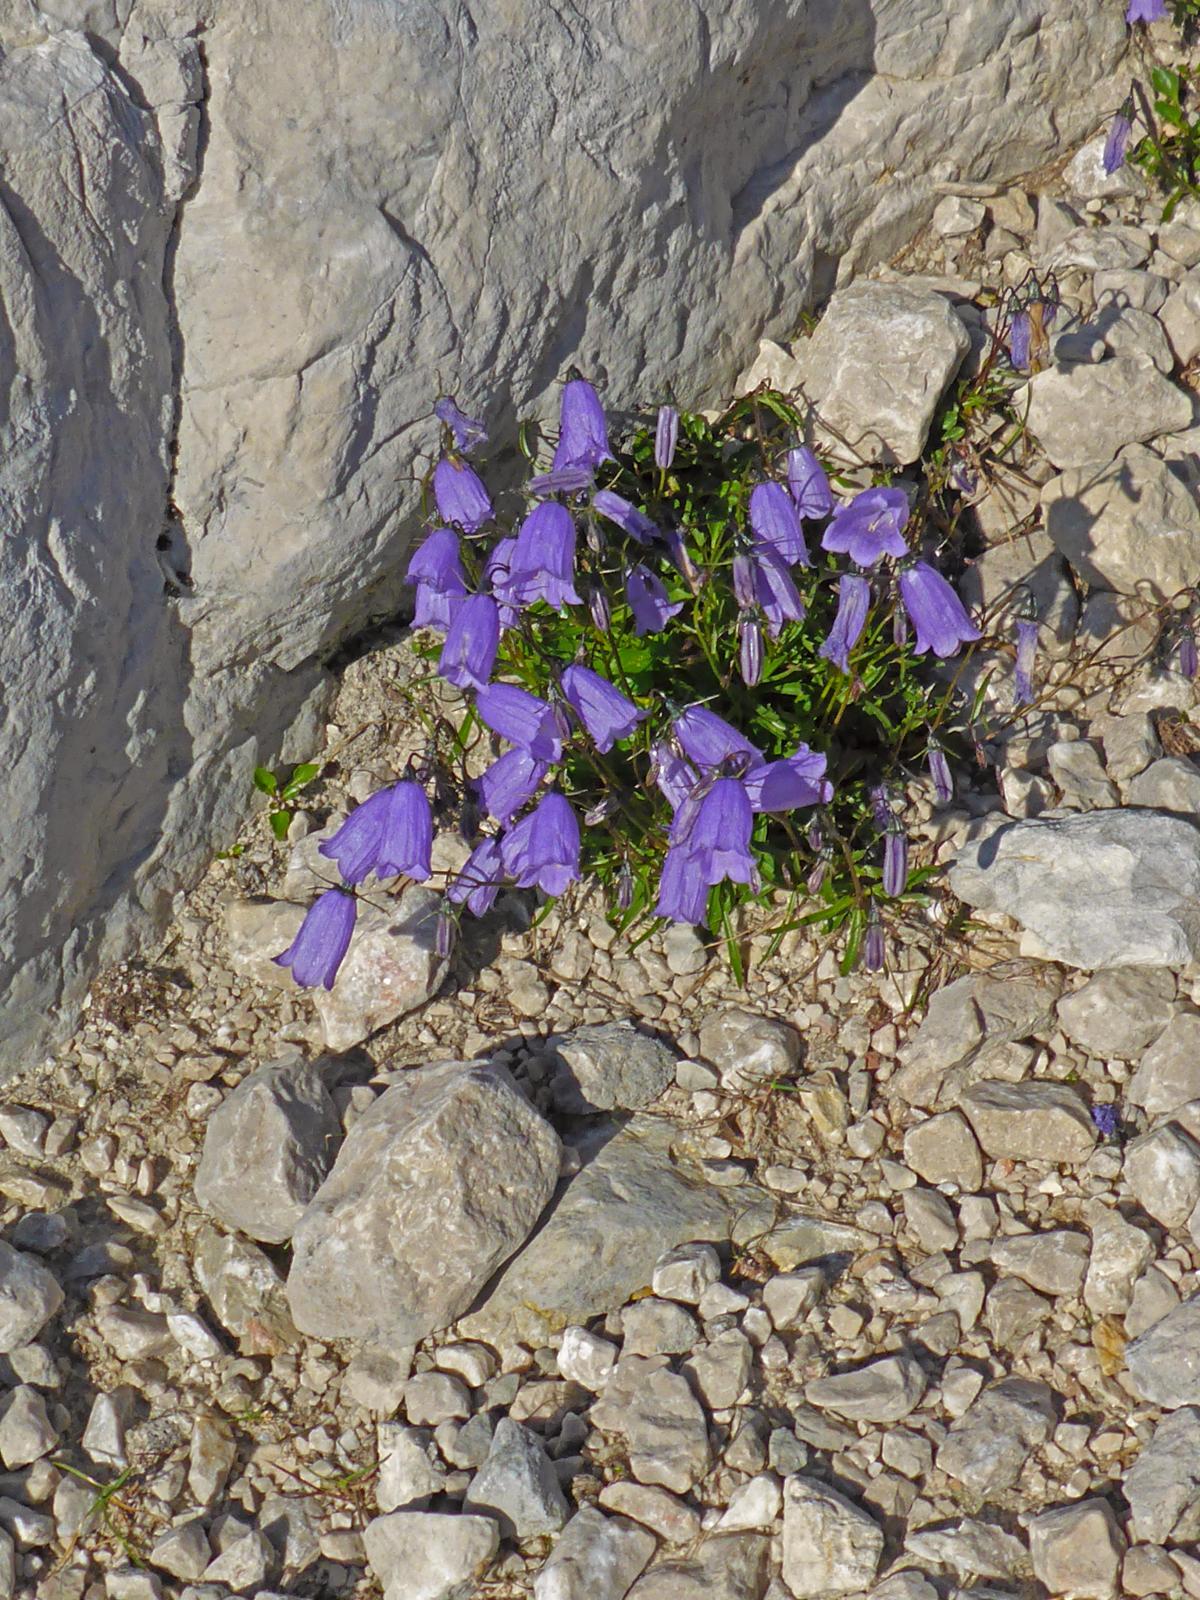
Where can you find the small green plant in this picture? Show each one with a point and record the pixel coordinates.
(283, 793)
(1169, 154)
(115, 1514)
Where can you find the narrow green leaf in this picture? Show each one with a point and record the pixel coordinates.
(281, 821)
(265, 780)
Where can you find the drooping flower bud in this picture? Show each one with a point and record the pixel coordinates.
(625, 887)
(1188, 663)
(895, 858)
(601, 611)
(665, 436)
(939, 772)
(874, 945)
(750, 651)
(444, 933)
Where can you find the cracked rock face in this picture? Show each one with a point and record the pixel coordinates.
(213, 484)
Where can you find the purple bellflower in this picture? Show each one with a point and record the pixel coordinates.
(895, 858)
(874, 945)
(1146, 11)
(648, 601)
(854, 598)
(599, 608)
(1018, 341)
(466, 430)
(542, 849)
(776, 523)
(750, 650)
(869, 527)
(1189, 661)
(496, 571)
(604, 711)
(530, 723)
(479, 881)
(715, 846)
(1107, 1120)
(792, 781)
(682, 557)
(809, 485)
(436, 569)
(761, 578)
(472, 640)
(319, 949)
(583, 432)
(389, 834)
(1117, 142)
(666, 435)
(682, 892)
(708, 739)
(542, 562)
(935, 611)
(939, 772)
(674, 775)
(627, 517)
(1027, 642)
(460, 495)
(511, 780)
(562, 480)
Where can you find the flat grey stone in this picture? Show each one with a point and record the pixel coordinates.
(1084, 414)
(720, 1369)
(606, 1066)
(1164, 1362)
(830, 1546)
(245, 1291)
(1119, 1012)
(884, 1390)
(597, 1558)
(1076, 1550)
(1030, 1121)
(1120, 1254)
(1163, 1484)
(726, 1566)
(1172, 784)
(969, 1548)
(749, 1050)
(427, 1555)
(652, 1327)
(1053, 1261)
(942, 1149)
(409, 1469)
(1104, 889)
(29, 1297)
(987, 1447)
(659, 1420)
(1162, 1169)
(1168, 1074)
(517, 1485)
(26, 1432)
(435, 1186)
(268, 1148)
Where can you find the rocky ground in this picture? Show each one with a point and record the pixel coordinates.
(883, 1284)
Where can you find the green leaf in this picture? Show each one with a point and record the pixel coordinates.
(301, 775)
(265, 781)
(281, 821)
(1166, 82)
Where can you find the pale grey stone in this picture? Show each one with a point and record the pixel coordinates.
(1014, 1310)
(597, 1558)
(1030, 1121)
(1132, 328)
(426, 1555)
(585, 1358)
(245, 1291)
(26, 1432)
(1171, 784)
(726, 1566)
(790, 1296)
(1164, 1482)
(878, 364)
(267, 1149)
(376, 1378)
(1054, 1261)
(1130, 743)
(1131, 525)
(1118, 1012)
(721, 1369)
(1085, 414)
(942, 1149)
(929, 1217)
(132, 1332)
(211, 1455)
(802, 1240)
(435, 1186)
(634, 1197)
(755, 1504)
(906, 1585)
(292, 1522)
(830, 1546)
(1120, 1254)
(955, 216)
(24, 1129)
(987, 1447)
(1180, 317)
(605, 1067)
(685, 1272)
(433, 1397)
(1111, 247)
(517, 1485)
(1168, 1075)
(392, 968)
(1076, 768)
(409, 1471)
(1148, 1569)
(969, 1548)
(1105, 889)
(662, 1425)
(1164, 1362)
(653, 1327)
(885, 1390)
(1086, 178)
(1153, 1296)
(104, 1435)
(1121, 287)
(1162, 1169)
(245, 1566)
(749, 1050)
(132, 1583)
(1076, 1550)
(663, 1513)
(29, 1297)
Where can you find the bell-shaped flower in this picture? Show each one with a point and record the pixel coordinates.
(776, 523)
(648, 601)
(869, 527)
(715, 846)
(762, 574)
(1019, 333)
(1027, 642)
(390, 834)
(562, 480)
(436, 569)
(460, 495)
(627, 517)
(582, 430)
(509, 783)
(541, 565)
(605, 712)
(874, 944)
(673, 774)
(497, 571)
(1146, 10)
(789, 783)
(532, 724)
(472, 640)
(935, 611)
(319, 949)
(708, 739)
(542, 849)
(682, 557)
(682, 893)
(939, 772)
(1189, 657)
(666, 435)
(854, 598)
(478, 883)
(895, 858)
(466, 431)
(1116, 144)
(809, 486)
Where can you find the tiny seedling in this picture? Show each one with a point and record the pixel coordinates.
(283, 793)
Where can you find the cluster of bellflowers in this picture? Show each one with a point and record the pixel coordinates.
(474, 583)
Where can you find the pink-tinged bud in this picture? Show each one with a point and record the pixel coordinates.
(600, 811)
(750, 651)
(820, 871)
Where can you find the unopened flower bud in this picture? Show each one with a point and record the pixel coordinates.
(601, 611)
(444, 933)
(665, 436)
(874, 945)
(625, 887)
(750, 651)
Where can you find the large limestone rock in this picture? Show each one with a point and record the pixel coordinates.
(221, 342)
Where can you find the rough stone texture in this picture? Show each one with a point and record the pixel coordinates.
(245, 1292)
(1030, 1121)
(881, 1391)
(1120, 1254)
(391, 969)
(424, 1555)
(260, 330)
(1081, 414)
(267, 1149)
(1168, 1074)
(1130, 524)
(517, 1485)
(987, 1447)
(830, 1546)
(749, 1050)
(1172, 784)
(632, 1200)
(729, 1566)
(970, 1549)
(1118, 1012)
(29, 1297)
(878, 364)
(660, 1421)
(1162, 1169)
(597, 1558)
(1105, 889)
(1076, 1550)
(943, 1149)
(607, 1066)
(1164, 1362)
(1054, 1261)
(436, 1185)
(1164, 1481)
